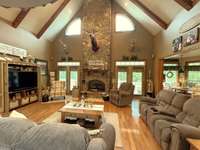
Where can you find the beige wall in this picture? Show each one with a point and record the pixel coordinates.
(120, 43)
(122, 40)
(38, 48)
(163, 41)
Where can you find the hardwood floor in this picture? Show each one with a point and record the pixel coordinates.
(135, 134)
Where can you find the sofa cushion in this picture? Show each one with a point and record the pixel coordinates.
(12, 129)
(165, 96)
(42, 137)
(192, 111)
(179, 100)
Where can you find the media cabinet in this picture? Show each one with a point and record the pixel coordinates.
(12, 99)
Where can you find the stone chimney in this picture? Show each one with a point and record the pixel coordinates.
(97, 20)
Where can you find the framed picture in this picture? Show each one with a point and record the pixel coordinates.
(191, 37)
(43, 66)
(177, 44)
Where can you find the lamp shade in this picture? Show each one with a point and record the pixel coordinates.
(24, 3)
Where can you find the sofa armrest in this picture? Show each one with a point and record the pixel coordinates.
(164, 112)
(97, 144)
(148, 100)
(108, 135)
(187, 131)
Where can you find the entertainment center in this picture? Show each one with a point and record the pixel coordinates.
(19, 78)
(23, 83)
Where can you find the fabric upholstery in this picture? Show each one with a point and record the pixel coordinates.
(12, 129)
(22, 134)
(123, 96)
(42, 137)
(169, 110)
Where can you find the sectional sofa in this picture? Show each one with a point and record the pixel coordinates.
(172, 117)
(23, 134)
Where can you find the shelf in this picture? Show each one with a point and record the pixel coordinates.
(22, 90)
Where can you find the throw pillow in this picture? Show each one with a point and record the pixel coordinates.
(15, 114)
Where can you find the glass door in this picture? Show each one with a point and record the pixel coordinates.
(170, 75)
(73, 79)
(122, 77)
(137, 80)
(62, 75)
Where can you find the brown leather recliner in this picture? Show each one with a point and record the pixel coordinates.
(123, 96)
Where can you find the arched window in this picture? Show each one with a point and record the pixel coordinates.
(123, 23)
(74, 28)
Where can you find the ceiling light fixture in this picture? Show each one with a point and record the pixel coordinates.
(24, 3)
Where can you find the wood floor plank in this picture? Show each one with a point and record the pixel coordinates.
(135, 134)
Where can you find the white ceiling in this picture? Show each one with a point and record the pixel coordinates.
(37, 17)
(159, 7)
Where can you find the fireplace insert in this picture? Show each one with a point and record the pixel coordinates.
(96, 85)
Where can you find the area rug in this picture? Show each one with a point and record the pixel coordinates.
(111, 118)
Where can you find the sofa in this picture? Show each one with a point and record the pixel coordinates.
(23, 134)
(123, 96)
(172, 118)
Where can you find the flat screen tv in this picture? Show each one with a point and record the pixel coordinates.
(19, 80)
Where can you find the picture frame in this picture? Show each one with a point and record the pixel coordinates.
(177, 44)
(191, 37)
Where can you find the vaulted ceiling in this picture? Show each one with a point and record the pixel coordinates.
(48, 21)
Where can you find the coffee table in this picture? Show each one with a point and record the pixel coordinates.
(81, 111)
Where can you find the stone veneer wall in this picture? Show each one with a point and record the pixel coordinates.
(97, 20)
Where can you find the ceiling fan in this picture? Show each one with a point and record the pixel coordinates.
(25, 4)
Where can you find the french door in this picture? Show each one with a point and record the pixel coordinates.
(138, 82)
(122, 77)
(73, 79)
(70, 75)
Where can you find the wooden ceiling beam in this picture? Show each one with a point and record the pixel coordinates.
(151, 14)
(52, 18)
(187, 4)
(20, 17)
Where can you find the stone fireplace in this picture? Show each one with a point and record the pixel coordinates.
(96, 85)
(96, 65)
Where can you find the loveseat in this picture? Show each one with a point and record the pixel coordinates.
(172, 118)
(23, 134)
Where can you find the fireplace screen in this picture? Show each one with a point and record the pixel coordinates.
(96, 85)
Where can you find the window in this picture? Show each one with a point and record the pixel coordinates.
(170, 75)
(122, 77)
(62, 75)
(73, 79)
(74, 28)
(193, 74)
(137, 82)
(123, 23)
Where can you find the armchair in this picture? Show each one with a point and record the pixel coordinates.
(123, 96)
